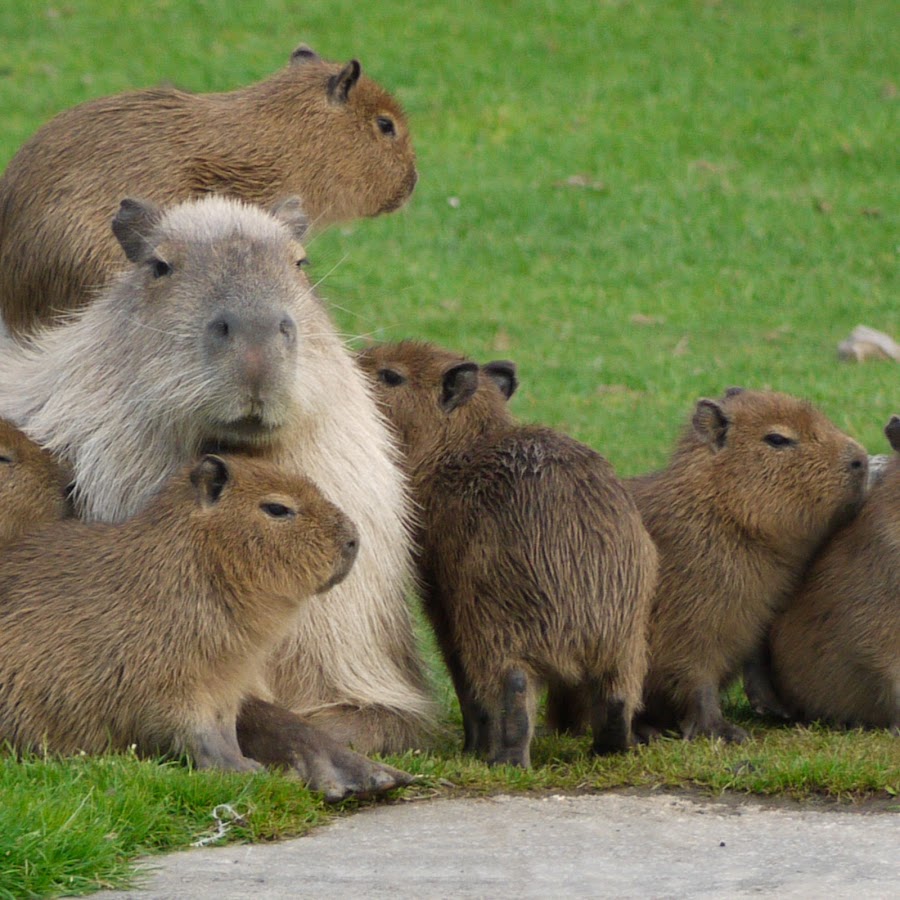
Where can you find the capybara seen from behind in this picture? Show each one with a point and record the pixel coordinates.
(532, 557)
(316, 129)
(33, 485)
(836, 648)
(756, 484)
(150, 632)
(213, 340)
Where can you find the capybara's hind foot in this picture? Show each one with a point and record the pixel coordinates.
(516, 724)
(276, 736)
(610, 725)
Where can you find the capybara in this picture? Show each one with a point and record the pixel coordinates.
(213, 340)
(532, 558)
(758, 481)
(150, 632)
(316, 129)
(836, 648)
(33, 485)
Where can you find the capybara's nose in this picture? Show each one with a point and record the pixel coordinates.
(347, 557)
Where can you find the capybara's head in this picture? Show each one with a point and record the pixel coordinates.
(365, 164)
(221, 304)
(775, 464)
(435, 398)
(267, 529)
(33, 484)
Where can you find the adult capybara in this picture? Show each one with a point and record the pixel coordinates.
(757, 483)
(212, 339)
(316, 129)
(532, 557)
(33, 485)
(150, 632)
(836, 648)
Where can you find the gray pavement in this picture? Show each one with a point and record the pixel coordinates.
(606, 845)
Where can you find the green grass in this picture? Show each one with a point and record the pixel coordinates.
(735, 216)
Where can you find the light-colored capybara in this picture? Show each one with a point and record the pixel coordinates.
(532, 557)
(758, 481)
(213, 340)
(151, 631)
(33, 485)
(836, 648)
(316, 129)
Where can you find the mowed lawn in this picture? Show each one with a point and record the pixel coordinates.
(639, 203)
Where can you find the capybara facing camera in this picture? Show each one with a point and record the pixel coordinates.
(151, 632)
(532, 558)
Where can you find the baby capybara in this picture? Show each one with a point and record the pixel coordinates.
(150, 632)
(33, 485)
(315, 128)
(836, 648)
(758, 481)
(532, 558)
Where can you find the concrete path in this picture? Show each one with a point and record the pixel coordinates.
(608, 845)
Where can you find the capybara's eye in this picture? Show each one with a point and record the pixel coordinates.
(302, 263)
(774, 439)
(386, 125)
(390, 377)
(5, 460)
(276, 510)
(160, 268)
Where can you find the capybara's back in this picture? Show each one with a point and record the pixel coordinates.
(836, 648)
(756, 484)
(150, 632)
(32, 484)
(533, 559)
(316, 129)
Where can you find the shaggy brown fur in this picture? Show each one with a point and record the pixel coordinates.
(758, 481)
(836, 649)
(533, 561)
(152, 631)
(317, 129)
(33, 485)
(212, 339)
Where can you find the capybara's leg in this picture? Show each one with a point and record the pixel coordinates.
(704, 717)
(476, 727)
(759, 685)
(276, 736)
(610, 719)
(516, 726)
(568, 708)
(368, 729)
(214, 745)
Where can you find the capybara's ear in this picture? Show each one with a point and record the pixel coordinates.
(340, 85)
(503, 373)
(733, 391)
(209, 478)
(710, 423)
(892, 431)
(303, 53)
(460, 383)
(289, 210)
(133, 224)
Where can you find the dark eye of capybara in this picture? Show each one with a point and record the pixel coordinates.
(386, 126)
(160, 268)
(276, 510)
(779, 440)
(390, 377)
(6, 460)
(302, 263)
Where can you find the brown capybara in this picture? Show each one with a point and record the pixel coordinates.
(836, 648)
(212, 339)
(316, 129)
(151, 631)
(532, 558)
(33, 485)
(757, 483)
